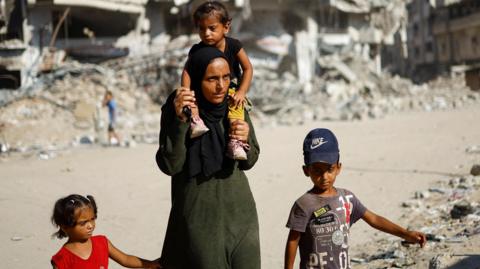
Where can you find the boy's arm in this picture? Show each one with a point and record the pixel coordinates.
(291, 248)
(129, 261)
(247, 75)
(384, 225)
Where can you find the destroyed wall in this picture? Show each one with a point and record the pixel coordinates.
(261, 35)
(90, 22)
(344, 85)
(421, 40)
(12, 43)
(84, 30)
(457, 28)
(457, 31)
(155, 14)
(13, 13)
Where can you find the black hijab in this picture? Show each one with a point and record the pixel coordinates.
(206, 153)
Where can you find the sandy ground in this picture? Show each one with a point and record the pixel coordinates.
(384, 162)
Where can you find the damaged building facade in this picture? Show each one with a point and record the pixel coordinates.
(444, 36)
(332, 60)
(282, 35)
(301, 32)
(421, 41)
(37, 34)
(457, 33)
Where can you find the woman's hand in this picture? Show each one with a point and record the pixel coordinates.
(239, 130)
(183, 97)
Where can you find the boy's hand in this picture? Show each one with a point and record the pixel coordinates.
(238, 99)
(416, 237)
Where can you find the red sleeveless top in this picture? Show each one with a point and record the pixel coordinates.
(65, 259)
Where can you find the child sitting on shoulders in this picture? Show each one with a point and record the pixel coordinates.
(213, 23)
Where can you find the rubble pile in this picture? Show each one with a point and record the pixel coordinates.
(349, 89)
(64, 109)
(449, 214)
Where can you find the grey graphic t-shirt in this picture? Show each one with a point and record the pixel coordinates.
(325, 223)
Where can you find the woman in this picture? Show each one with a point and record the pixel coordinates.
(213, 221)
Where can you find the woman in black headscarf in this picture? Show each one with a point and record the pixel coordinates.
(213, 222)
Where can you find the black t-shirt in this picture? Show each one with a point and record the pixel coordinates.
(232, 47)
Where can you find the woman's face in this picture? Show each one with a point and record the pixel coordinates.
(216, 81)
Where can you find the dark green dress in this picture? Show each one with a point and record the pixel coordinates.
(213, 222)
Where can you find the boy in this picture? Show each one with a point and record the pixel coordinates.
(108, 101)
(320, 219)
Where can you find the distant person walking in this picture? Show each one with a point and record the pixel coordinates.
(108, 101)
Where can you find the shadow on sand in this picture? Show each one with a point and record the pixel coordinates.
(403, 171)
(470, 261)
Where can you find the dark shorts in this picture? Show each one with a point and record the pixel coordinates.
(111, 127)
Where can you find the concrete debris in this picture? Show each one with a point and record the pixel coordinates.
(475, 171)
(46, 155)
(86, 140)
(16, 238)
(473, 149)
(63, 110)
(344, 79)
(451, 225)
(435, 262)
(461, 209)
(346, 87)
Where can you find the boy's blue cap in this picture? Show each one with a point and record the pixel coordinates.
(320, 145)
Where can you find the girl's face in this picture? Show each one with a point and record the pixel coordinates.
(216, 81)
(211, 30)
(84, 225)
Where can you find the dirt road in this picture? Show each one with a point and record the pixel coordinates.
(384, 162)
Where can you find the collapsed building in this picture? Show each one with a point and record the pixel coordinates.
(421, 41)
(444, 38)
(330, 59)
(457, 31)
(302, 32)
(36, 34)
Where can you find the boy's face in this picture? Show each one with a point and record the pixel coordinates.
(211, 30)
(323, 175)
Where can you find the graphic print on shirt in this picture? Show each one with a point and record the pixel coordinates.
(330, 231)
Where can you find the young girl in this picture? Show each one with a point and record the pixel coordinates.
(75, 217)
(213, 23)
